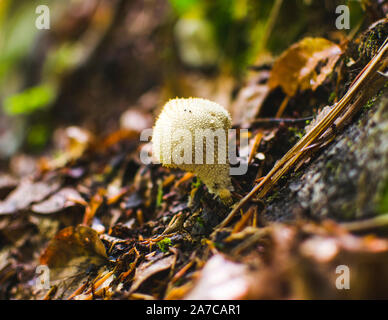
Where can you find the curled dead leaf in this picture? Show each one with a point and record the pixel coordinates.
(64, 198)
(7, 184)
(148, 268)
(296, 68)
(25, 194)
(221, 279)
(250, 100)
(74, 256)
(73, 242)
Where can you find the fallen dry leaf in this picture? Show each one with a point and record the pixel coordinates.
(296, 68)
(250, 99)
(7, 184)
(73, 256)
(64, 198)
(72, 242)
(148, 268)
(221, 279)
(26, 193)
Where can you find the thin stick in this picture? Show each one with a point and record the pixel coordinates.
(258, 138)
(372, 223)
(282, 107)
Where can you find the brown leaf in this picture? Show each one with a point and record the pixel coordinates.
(221, 279)
(116, 137)
(64, 198)
(249, 100)
(93, 206)
(71, 142)
(7, 184)
(296, 68)
(149, 268)
(72, 255)
(70, 243)
(25, 194)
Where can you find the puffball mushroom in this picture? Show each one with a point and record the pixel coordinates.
(179, 133)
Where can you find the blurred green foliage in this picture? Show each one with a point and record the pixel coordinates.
(223, 35)
(29, 100)
(37, 136)
(17, 35)
(21, 95)
(236, 27)
(245, 29)
(182, 6)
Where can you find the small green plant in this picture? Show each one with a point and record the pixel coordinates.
(196, 183)
(200, 221)
(332, 97)
(296, 132)
(164, 244)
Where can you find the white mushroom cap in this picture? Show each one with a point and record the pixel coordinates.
(180, 123)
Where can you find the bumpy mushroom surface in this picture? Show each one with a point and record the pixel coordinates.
(178, 133)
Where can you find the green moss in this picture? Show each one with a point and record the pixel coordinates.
(178, 282)
(334, 169)
(347, 211)
(273, 197)
(297, 174)
(370, 103)
(196, 183)
(296, 132)
(330, 166)
(164, 244)
(332, 97)
(200, 221)
(372, 40)
(219, 245)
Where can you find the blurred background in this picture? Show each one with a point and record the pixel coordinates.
(110, 64)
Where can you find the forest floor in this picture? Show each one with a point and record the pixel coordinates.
(94, 222)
